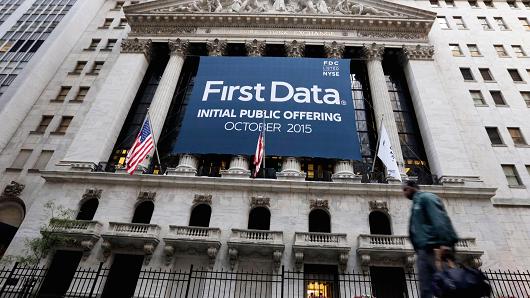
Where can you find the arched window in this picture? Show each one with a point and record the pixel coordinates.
(11, 216)
(88, 209)
(143, 212)
(259, 218)
(319, 221)
(379, 223)
(200, 216)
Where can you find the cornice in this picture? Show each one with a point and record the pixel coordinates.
(369, 190)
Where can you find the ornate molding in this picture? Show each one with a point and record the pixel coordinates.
(147, 196)
(319, 204)
(260, 202)
(418, 52)
(393, 35)
(178, 47)
(233, 255)
(202, 199)
(137, 46)
(334, 50)
(373, 51)
(255, 48)
(92, 193)
(12, 191)
(155, 29)
(295, 48)
(378, 206)
(216, 47)
(298, 260)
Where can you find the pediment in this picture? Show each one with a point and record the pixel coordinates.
(344, 8)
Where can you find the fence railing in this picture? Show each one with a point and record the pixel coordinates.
(19, 281)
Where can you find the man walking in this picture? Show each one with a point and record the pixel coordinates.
(430, 231)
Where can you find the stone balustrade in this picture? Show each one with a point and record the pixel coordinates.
(133, 229)
(199, 238)
(131, 236)
(266, 243)
(272, 237)
(320, 239)
(187, 232)
(384, 242)
(81, 234)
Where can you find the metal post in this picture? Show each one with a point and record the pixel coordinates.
(189, 282)
(283, 278)
(95, 280)
(9, 278)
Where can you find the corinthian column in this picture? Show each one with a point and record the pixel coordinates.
(255, 48)
(381, 98)
(216, 47)
(96, 137)
(165, 90)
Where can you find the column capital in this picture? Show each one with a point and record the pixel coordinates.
(178, 47)
(418, 52)
(137, 46)
(216, 47)
(373, 51)
(255, 48)
(334, 49)
(295, 48)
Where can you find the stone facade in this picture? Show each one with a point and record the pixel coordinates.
(474, 189)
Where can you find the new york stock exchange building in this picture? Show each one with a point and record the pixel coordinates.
(323, 85)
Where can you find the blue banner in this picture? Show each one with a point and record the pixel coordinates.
(304, 104)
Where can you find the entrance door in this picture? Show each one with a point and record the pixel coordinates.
(123, 276)
(321, 281)
(388, 282)
(60, 273)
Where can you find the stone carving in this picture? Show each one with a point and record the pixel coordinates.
(233, 255)
(277, 259)
(334, 49)
(391, 35)
(418, 52)
(212, 255)
(12, 191)
(298, 260)
(378, 206)
(216, 47)
(255, 48)
(343, 261)
(341, 7)
(137, 46)
(202, 199)
(161, 29)
(295, 48)
(373, 51)
(260, 202)
(319, 204)
(92, 193)
(365, 262)
(147, 196)
(178, 47)
(169, 251)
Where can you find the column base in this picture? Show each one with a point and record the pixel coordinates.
(471, 181)
(346, 178)
(83, 166)
(181, 171)
(235, 173)
(291, 175)
(123, 170)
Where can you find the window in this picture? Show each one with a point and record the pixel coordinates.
(526, 97)
(517, 136)
(143, 212)
(459, 23)
(319, 221)
(110, 44)
(259, 218)
(81, 94)
(478, 99)
(484, 23)
(519, 52)
(473, 50)
(96, 68)
(88, 209)
(93, 45)
(42, 161)
(106, 23)
(525, 23)
(379, 223)
(450, 3)
(79, 67)
(119, 5)
(44, 122)
(200, 216)
(122, 23)
(455, 50)
(489, 3)
(501, 51)
(21, 159)
(494, 135)
(63, 93)
(516, 77)
(511, 3)
(486, 74)
(434, 3)
(442, 21)
(497, 97)
(511, 175)
(473, 3)
(500, 22)
(63, 125)
(467, 74)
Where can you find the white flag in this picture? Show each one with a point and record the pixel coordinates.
(386, 155)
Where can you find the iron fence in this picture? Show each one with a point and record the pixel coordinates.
(20, 281)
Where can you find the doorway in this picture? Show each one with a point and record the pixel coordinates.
(60, 273)
(123, 276)
(388, 282)
(321, 281)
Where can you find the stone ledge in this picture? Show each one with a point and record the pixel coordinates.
(264, 185)
(507, 202)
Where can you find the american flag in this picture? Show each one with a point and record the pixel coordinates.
(258, 157)
(141, 147)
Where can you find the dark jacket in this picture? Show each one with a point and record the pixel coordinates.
(429, 225)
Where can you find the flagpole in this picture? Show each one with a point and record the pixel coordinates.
(378, 140)
(263, 143)
(154, 140)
